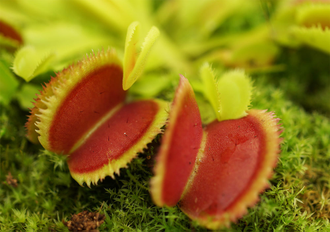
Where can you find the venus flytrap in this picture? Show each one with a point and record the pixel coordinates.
(9, 36)
(29, 63)
(214, 173)
(82, 113)
(313, 26)
(12, 24)
(254, 51)
(303, 22)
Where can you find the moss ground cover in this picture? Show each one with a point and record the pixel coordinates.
(46, 194)
(37, 192)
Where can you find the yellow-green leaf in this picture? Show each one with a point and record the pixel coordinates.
(8, 84)
(151, 85)
(8, 42)
(315, 37)
(28, 62)
(130, 55)
(314, 15)
(235, 89)
(133, 63)
(26, 95)
(210, 88)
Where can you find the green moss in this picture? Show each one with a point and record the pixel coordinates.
(46, 194)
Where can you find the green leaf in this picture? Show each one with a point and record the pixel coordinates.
(8, 42)
(259, 54)
(133, 64)
(132, 38)
(313, 15)
(235, 90)
(282, 20)
(26, 95)
(211, 88)
(69, 42)
(114, 14)
(8, 84)
(150, 85)
(315, 37)
(197, 85)
(28, 62)
(313, 25)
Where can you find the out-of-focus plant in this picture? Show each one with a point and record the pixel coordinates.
(55, 34)
(299, 22)
(48, 37)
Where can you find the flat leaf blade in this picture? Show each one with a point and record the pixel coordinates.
(134, 68)
(211, 88)
(8, 84)
(235, 89)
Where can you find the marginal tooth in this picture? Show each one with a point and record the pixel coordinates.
(112, 175)
(102, 177)
(88, 182)
(80, 181)
(94, 181)
(277, 120)
(49, 99)
(111, 171)
(42, 112)
(267, 185)
(54, 89)
(45, 101)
